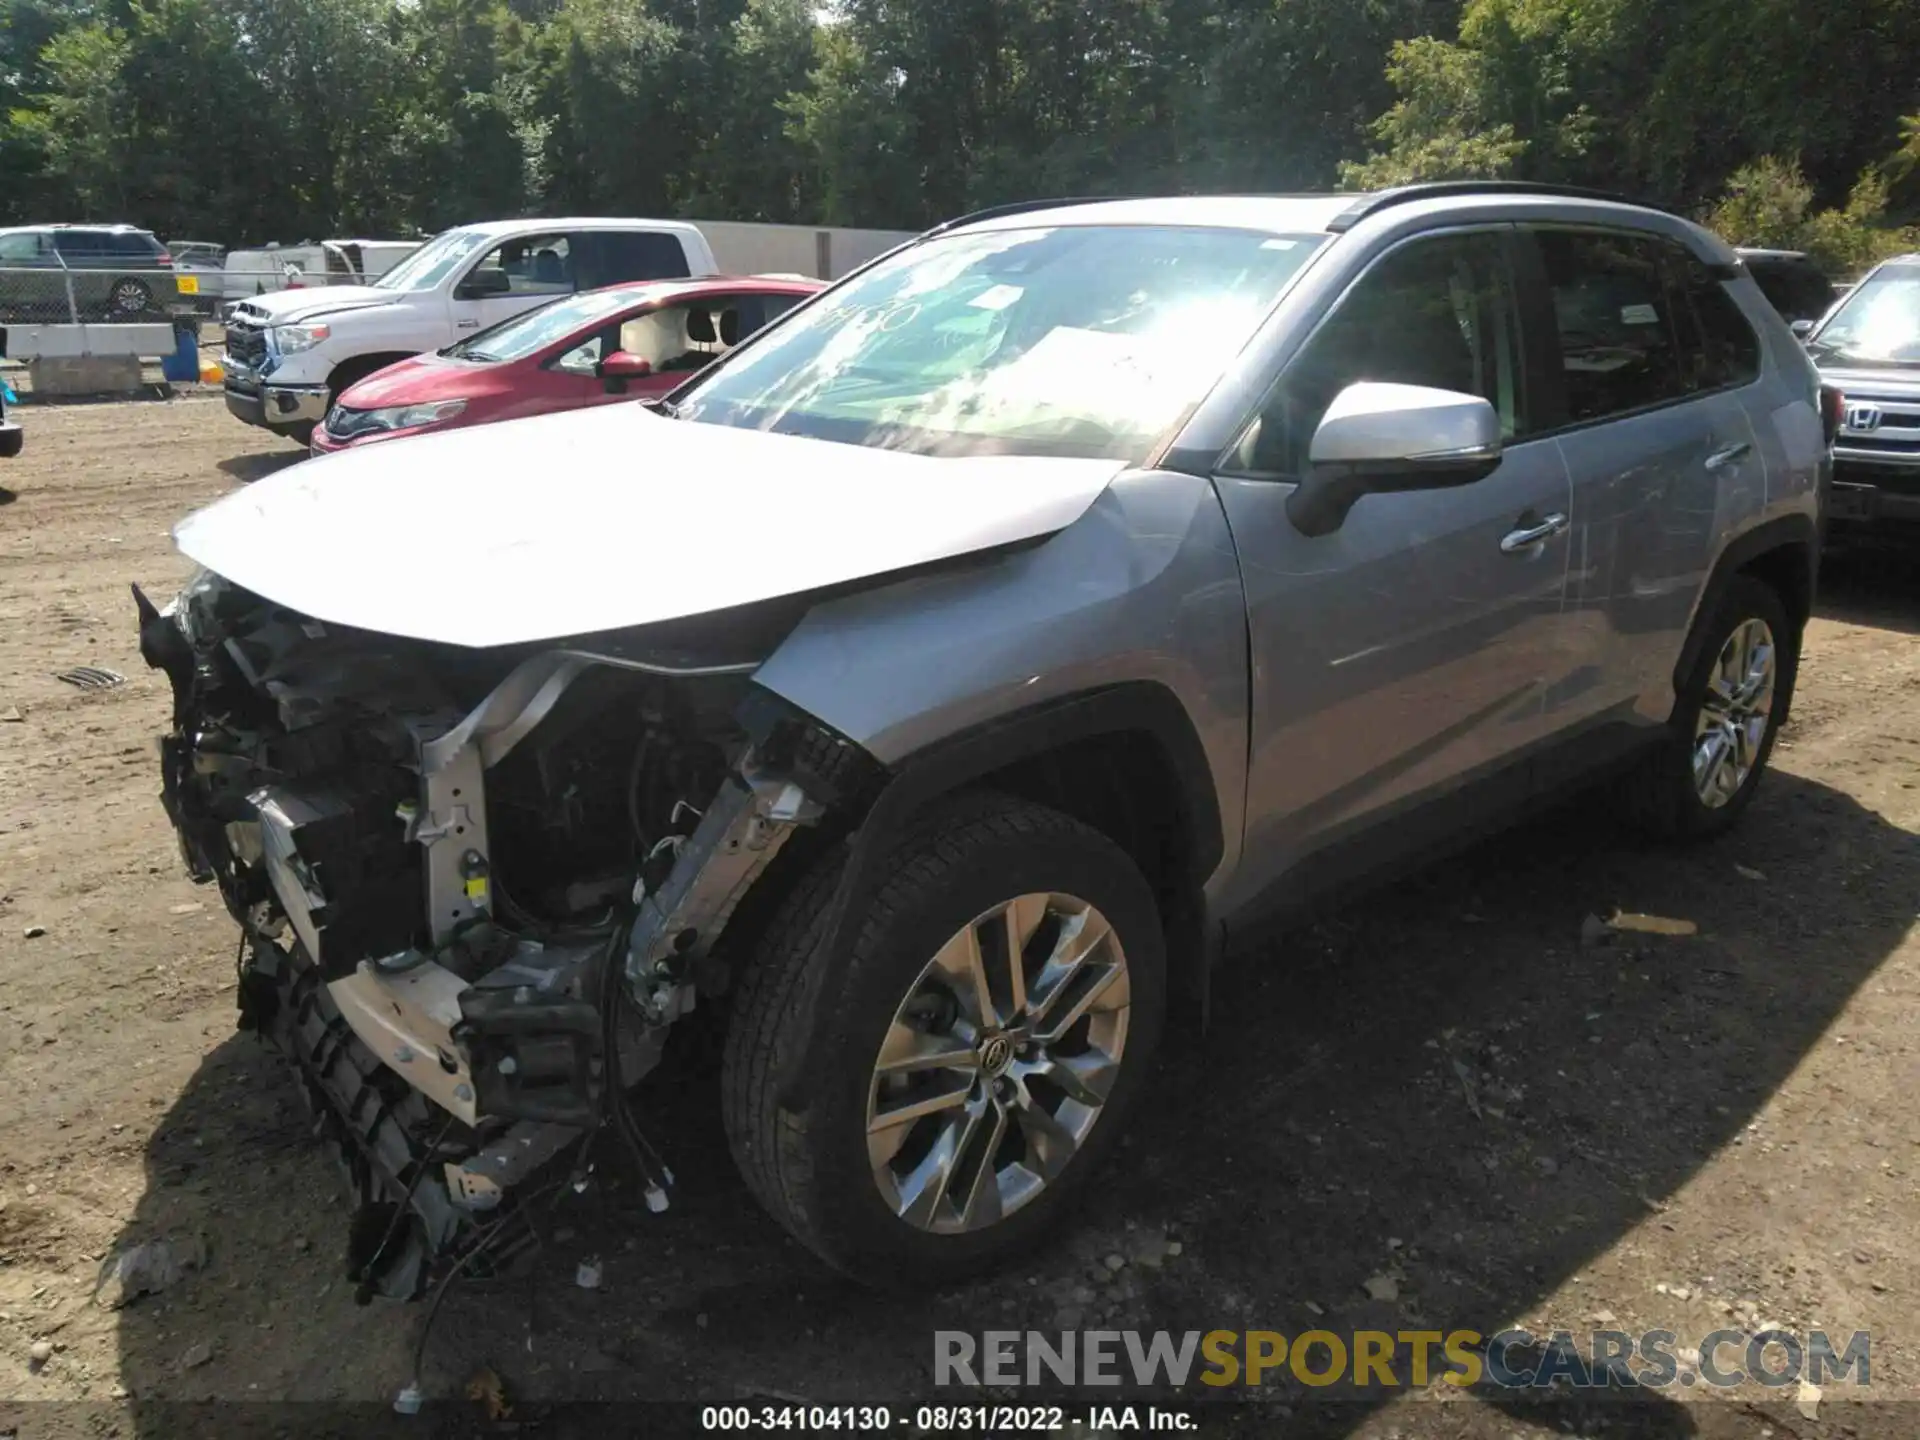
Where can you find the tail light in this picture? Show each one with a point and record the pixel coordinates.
(1833, 407)
(163, 258)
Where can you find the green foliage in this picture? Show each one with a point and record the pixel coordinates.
(248, 120)
(1440, 128)
(1771, 204)
(77, 128)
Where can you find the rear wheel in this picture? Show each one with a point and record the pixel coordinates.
(998, 1012)
(1706, 770)
(129, 298)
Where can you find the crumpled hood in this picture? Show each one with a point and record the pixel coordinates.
(566, 525)
(289, 307)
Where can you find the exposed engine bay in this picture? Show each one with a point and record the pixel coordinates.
(476, 887)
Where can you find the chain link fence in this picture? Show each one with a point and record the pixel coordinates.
(91, 300)
(54, 293)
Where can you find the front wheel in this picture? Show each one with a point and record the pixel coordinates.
(1728, 714)
(999, 1010)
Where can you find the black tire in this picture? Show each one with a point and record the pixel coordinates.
(128, 298)
(811, 1170)
(1661, 796)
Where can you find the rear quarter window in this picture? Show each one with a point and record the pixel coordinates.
(1718, 348)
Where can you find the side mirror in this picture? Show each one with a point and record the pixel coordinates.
(484, 283)
(620, 367)
(1802, 329)
(1378, 438)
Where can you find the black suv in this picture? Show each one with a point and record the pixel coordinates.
(116, 272)
(1792, 283)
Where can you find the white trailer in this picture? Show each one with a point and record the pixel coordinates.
(817, 252)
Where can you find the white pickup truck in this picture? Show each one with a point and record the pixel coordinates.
(289, 354)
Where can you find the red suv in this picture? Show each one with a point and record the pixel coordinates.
(623, 342)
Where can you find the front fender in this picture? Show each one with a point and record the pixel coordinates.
(1143, 589)
(1130, 620)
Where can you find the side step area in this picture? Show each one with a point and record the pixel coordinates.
(397, 1151)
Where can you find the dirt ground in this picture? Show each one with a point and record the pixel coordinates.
(1442, 1088)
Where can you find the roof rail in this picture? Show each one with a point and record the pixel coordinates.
(1368, 205)
(1017, 207)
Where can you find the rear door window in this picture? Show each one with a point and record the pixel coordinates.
(607, 257)
(1614, 317)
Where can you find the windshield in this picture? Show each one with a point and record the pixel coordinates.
(433, 261)
(533, 331)
(1081, 341)
(1878, 321)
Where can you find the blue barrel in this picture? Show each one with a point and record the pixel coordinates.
(183, 366)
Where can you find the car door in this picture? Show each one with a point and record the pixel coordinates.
(1410, 650)
(571, 380)
(510, 278)
(84, 255)
(1659, 450)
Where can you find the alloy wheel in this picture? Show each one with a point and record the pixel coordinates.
(997, 1064)
(1734, 713)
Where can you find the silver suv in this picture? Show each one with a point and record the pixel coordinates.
(939, 684)
(1868, 348)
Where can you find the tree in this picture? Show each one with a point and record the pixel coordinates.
(1440, 128)
(77, 122)
(1770, 204)
(858, 139)
(249, 120)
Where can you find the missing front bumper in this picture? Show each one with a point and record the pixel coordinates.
(426, 1187)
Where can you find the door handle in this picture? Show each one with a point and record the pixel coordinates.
(1517, 542)
(1727, 454)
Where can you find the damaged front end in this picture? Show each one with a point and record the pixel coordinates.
(477, 887)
